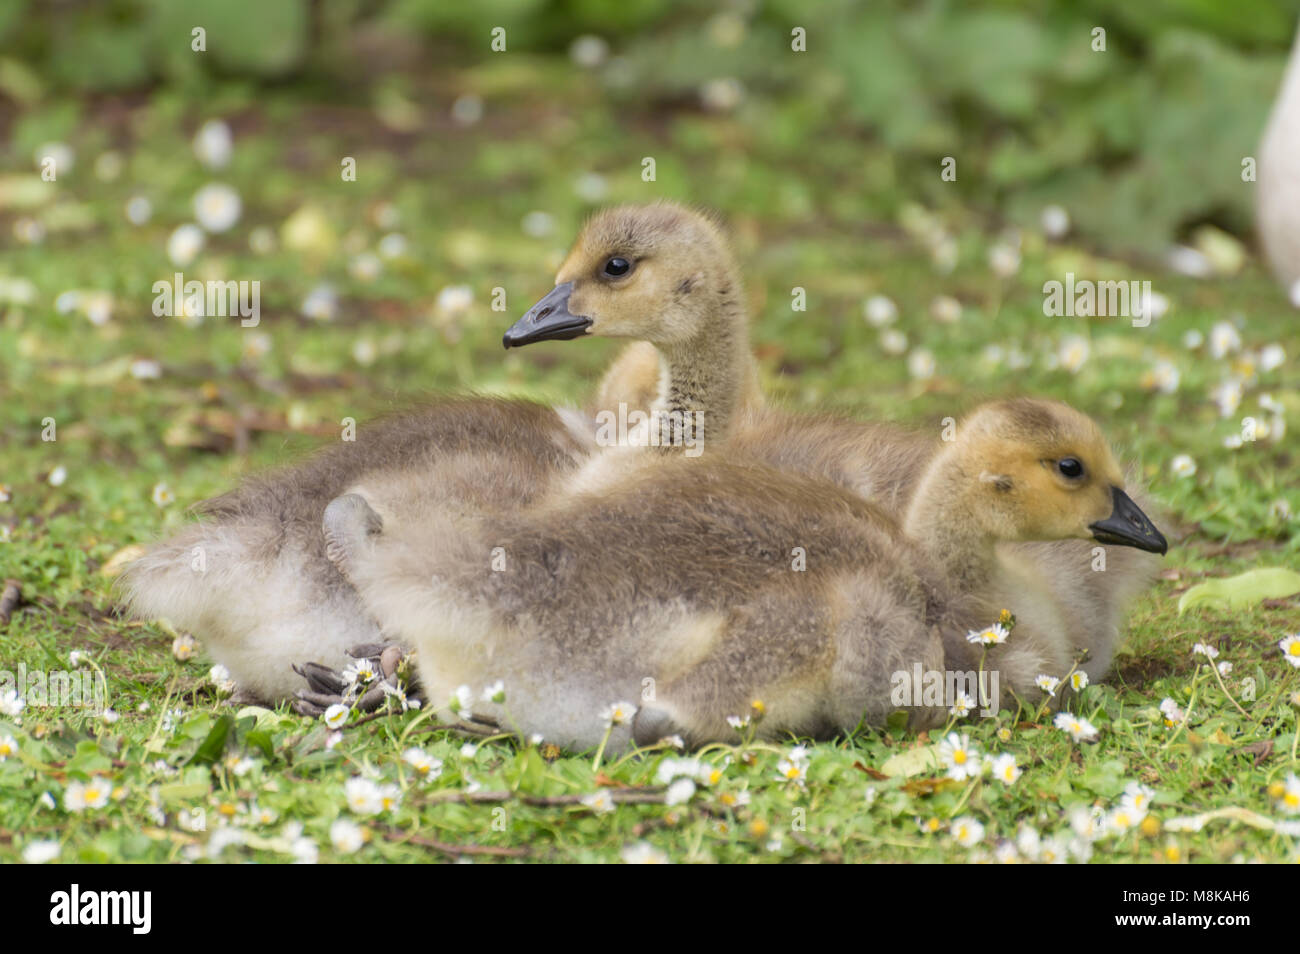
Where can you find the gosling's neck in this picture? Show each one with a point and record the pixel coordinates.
(704, 381)
(941, 519)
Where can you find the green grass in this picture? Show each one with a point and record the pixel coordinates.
(227, 404)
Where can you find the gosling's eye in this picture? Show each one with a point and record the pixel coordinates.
(1070, 467)
(617, 267)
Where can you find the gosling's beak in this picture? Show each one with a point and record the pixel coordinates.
(1128, 526)
(549, 319)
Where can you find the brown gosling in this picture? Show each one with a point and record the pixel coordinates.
(698, 587)
(253, 581)
(879, 462)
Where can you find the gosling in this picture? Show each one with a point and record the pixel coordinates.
(697, 587)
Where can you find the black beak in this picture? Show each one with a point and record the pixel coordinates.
(549, 319)
(1128, 526)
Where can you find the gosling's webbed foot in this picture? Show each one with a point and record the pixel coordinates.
(379, 673)
(322, 679)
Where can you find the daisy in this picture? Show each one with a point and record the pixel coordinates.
(1121, 820)
(454, 300)
(138, 210)
(40, 852)
(1271, 357)
(390, 797)
(1079, 680)
(921, 364)
(1055, 221)
(363, 796)
(1183, 466)
(1004, 260)
(1173, 715)
(185, 243)
(345, 836)
(162, 495)
(1224, 668)
(712, 774)
(893, 341)
(59, 154)
(1137, 798)
(321, 304)
(1005, 769)
(468, 750)
(879, 310)
(80, 796)
(946, 310)
(184, 647)
(791, 771)
(336, 716)
(461, 701)
(962, 706)
(1289, 800)
(679, 792)
(618, 713)
(213, 144)
(495, 692)
(670, 769)
(1054, 851)
(1029, 842)
(263, 816)
(737, 723)
(424, 765)
(393, 245)
(1163, 377)
(1209, 652)
(643, 853)
(1073, 352)
(360, 672)
(993, 635)
(1224, 339)
(600, 802)
(1087, 822)
(966, 831)
(961, 758)
(217, 207)
(1080, 729)
(1227, 397)
(1290, 646)
(8, 746)
(1049, 684)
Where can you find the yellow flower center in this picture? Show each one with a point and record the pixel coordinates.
(1291, 799)
(959, 757)
(1294, 648)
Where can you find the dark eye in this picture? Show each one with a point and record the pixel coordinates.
(1070, 467)
(617, 266)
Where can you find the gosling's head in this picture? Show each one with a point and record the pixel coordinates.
(1040, 470)
(657, 273)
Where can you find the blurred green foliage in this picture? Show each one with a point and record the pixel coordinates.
(1142, 141)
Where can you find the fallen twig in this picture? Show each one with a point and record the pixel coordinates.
(448, 848)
